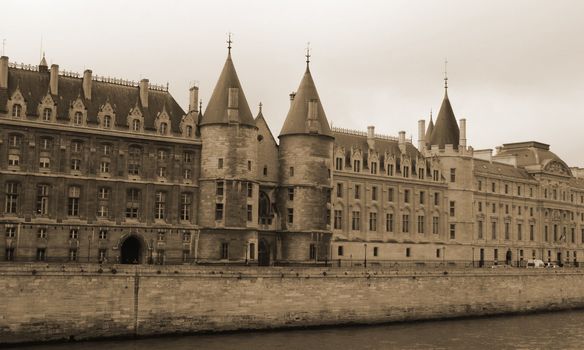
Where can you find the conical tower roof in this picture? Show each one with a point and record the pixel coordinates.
(306, 100)
(446, 130)
(428, 135)
(217, 108)
(43, 61)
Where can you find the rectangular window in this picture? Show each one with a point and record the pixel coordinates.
(134, 160)
(102, 210)
(12, 195)
(187, 157)
(249, 165)
(219, 188)
(375, 251)
(312, 251)
(290, 193)
(161, 171)
(356, 221)
(187, 174)
(390, 169)
(406, 171)
(102, 234)
(494, 230)
(452, 208)
(224, 250)
(74, 233)
(186, 202)
(406, 196)
(357, 192)
(373, 168)
(291, 171)
(545, 233)
(10, 252)
(421, 223)
(75, 164)
(74, 200)
(405, 223)
(186, 236)
(218, 211)
(372, 221)
(356, 165)
(480, 209)
(435, 225)
(13, 160)
(422, 197)
(438, 252)
(338, 224)
(493, 187)
(220, 163)
(339, 190)
(496, 254)
(340, 250)
(42, 233)
(249, 190)
(480, 185)
(104, 167)
(507, 234)
(72, 254)
(531, 232)
(390, 194)
(44, 163)
(408, 252)
(10, 232)
(133, 199)
(252, 251)
(374, 193)
(519, 232)
(506, 189)
(42, 200)
(290, 216)
(249, 212)
(452, 231)
(452, 175)
(160, 205)
(436, 198)
(102, 255)
(480, 229)
(339, 163)
(389, 222)
(41, 254)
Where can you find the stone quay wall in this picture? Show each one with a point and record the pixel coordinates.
(41, 302)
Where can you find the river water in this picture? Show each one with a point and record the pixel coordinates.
(560, 330)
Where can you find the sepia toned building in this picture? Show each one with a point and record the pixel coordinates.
(99, 169)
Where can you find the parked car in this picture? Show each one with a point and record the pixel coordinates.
(535, 264)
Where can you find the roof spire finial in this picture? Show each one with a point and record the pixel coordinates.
(260, 105)
(307, 54)
(200, 105)
(229, 42)
(445, 74)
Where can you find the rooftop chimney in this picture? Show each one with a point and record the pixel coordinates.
(144, 92)
(402, 141)
(87, 84)
(54, 79)
(4, 72)
(421, 134)
(194, 99)
(463, 133)
(371, 136)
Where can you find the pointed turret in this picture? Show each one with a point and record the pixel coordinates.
(429, 130)
(306, 115)
(43, 67)
(228, 103)
(446, 130)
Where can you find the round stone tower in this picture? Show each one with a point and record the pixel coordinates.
(228, 188)
(305, 158)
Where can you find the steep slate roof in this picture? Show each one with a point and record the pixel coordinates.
(446, 130)
(295, 122)
(381, 146)
(216, 112)
(530, 153)
(487, 168)
(261, 122)
(34, 86)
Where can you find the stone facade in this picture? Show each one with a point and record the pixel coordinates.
(100, 169)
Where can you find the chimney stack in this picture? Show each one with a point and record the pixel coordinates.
(54, 79)
(402, 141)
(421, 134)
(292, 95)
(4, 72)
(87, 83)
(371, 136)
(463, 133)
(194, 99)
(144, 92)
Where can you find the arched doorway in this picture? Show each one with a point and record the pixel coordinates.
(508, 257)
(263, 253)
(131, 251)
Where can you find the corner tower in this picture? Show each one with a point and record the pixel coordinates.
(228, 189)
(305, 156)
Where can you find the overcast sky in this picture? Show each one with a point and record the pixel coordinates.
(516, 68)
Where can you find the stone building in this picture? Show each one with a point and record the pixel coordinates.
(102, 169)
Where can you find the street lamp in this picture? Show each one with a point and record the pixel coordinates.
(365, 261)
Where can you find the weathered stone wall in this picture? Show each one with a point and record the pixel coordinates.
(77, 301)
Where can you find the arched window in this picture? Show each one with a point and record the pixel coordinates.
(135, 125)
(107, 121)
(16, 110)
(47, 112)
(265, 209)
(163, 127)
(189, 131)
(78, 118)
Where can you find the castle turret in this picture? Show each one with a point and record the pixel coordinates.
(228, 187)
(429, 131)
(446, 130)
(305, 155)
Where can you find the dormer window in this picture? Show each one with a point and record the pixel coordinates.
(135, 125)
(16, 110)
(107, 121)
(189, 131)
(78, 118)
(374, 168)
(47, 112)
(356, 165)
(163, 128)
(339, 163)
